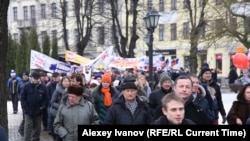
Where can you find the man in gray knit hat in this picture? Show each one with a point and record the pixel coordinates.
(165, 87)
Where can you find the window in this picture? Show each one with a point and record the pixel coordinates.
(247, 25)
(25, 13)
(101, 6)
(32, 12)
(173, 5)
(15, 13)
(218, 25)
(43, 11)
(54, 34)
(186, 30)
(112, 40)
(15, 37)
(218, 2)
(202, 32)
(162, 5)
(43, 34)
(53, 10)
(173, 31)
(201, 2)
(101, 35)
(233, 23)
(218, 58)
(185, 4)
(161, 32)
(150, 5)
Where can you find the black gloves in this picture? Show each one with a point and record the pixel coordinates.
(224, 119)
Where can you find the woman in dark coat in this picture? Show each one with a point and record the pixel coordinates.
(240, 110)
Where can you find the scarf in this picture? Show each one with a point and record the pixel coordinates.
(131, 106)
(107, 101)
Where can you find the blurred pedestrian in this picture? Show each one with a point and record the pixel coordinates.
(240, 109)
(12, 89)
(34, 100)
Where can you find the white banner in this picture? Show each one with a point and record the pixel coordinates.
(41, 61)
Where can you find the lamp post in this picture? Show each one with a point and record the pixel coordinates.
(151, 22)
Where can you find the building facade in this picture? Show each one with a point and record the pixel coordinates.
(171, 37)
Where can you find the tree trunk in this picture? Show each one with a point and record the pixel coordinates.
(193, 50)
(3, 54)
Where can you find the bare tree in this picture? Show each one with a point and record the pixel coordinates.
(236, 25)
(84, 23)
(198, 22)
(63, 5)
(121, 39)
(3, 55)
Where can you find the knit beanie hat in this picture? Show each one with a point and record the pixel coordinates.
(76, 90)
(12, 73)
(106, 78)
(203, 70)
(164, 77)
(128, 85)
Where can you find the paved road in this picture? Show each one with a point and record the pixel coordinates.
(14, 120)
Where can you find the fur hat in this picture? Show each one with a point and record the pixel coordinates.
(164, 77)
(76, 90)
(128, 85)
(106, 78)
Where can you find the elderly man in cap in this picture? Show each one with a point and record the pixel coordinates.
(128, 108)
(34, 100)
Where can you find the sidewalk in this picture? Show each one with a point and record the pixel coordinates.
(14, 120)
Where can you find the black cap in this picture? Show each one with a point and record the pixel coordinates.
(35, 75)
(42, 74)
(128, 85)
(55, 74)
(26, 73)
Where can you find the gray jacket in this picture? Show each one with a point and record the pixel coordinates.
(69, 117)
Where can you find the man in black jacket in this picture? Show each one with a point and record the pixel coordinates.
(183, 87)
(34, 98)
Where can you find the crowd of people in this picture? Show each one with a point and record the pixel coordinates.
(59, 103)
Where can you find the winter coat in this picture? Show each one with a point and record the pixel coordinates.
(239, 109)
(164, 121)
(101, 109)
(70, 116)
(218, 96)
(34, 98)
(196, 113)
(57, 97)
(119, 114)
(232, 76)
(21, 85)
(156, 96)
(202, 102)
